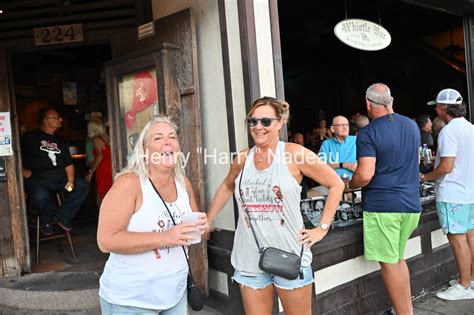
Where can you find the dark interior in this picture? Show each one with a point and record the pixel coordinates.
(39, 79)
(323, 77)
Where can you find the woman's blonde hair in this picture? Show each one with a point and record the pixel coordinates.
(95, 128)
(282, 108)
(138, 161)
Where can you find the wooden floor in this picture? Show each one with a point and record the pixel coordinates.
(88, 257)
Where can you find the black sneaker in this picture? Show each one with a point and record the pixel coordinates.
(46, 229)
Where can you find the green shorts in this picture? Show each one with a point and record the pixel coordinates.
(386, 235)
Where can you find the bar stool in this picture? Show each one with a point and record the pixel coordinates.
(34, 215)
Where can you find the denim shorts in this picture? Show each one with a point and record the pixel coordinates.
(181, 308)
(455, 218)
(265, 279)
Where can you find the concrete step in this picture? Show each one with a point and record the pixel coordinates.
(11, 311)
(51, 291)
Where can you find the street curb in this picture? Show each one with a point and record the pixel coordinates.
(52, 291)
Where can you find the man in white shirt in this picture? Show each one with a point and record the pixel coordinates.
(454, 175)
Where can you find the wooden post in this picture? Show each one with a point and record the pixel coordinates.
(13, 240)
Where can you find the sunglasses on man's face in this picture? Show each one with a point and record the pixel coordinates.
(265, 121)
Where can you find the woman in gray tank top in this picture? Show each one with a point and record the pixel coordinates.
(268, 197)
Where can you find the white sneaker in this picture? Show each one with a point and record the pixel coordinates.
(456, 292)
(456, 281)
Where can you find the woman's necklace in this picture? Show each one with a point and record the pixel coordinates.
(259, 156)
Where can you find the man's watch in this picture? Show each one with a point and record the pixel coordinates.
(323, 226)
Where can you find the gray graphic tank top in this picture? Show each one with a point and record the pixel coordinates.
(272, 197)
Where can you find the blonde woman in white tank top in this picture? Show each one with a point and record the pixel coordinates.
(146, 272)
(270, 187)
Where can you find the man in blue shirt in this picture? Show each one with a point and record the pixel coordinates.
(339, 152)
(387, 169)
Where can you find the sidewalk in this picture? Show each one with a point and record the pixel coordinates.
(429, 304)
(71, 285)
(61, 293)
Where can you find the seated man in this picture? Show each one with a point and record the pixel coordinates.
(339, 153)
(48, 168)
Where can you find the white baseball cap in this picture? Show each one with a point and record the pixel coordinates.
(448, 97)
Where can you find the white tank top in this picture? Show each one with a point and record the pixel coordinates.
(153, 279)
(272, 197)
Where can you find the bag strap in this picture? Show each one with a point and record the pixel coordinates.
(260, 249)
(174, 223)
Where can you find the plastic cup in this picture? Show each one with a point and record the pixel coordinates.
(192, 218)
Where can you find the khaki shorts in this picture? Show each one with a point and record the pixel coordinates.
(386, 235)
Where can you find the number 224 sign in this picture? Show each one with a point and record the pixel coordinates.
(58, 34)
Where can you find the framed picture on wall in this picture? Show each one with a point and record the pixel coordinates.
(69, 93)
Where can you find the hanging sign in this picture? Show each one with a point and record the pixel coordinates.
(362, 34)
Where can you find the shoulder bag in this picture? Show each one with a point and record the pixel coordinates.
(274, 260)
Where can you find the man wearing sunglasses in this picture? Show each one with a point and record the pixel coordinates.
(48, 168)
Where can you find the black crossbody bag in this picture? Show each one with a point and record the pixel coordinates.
(195, 299)
(274, 260)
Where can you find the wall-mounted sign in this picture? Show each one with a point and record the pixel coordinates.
(362, 34)
(58, 34)
(146, 30)
(5, 134)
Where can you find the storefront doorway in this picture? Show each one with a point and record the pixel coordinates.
(123, 83)
(71, 80)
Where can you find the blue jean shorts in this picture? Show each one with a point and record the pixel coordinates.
(455, 218)
(181, 308)
(265, 279)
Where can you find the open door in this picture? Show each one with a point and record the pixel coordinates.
(152, 76)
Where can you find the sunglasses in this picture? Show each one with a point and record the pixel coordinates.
(265, 121)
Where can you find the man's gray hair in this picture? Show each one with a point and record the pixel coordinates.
(379, 94)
